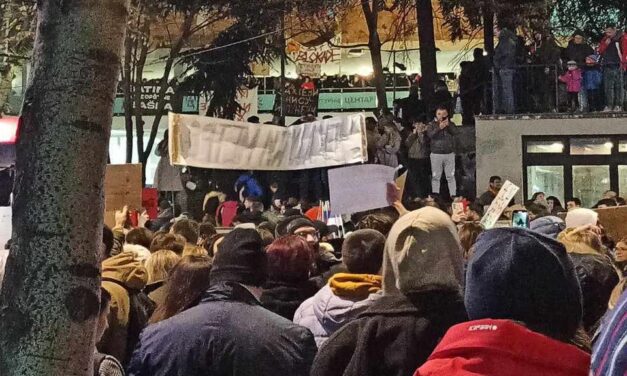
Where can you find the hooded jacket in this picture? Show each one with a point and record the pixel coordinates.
(550, 226)
(505, 51)
(422, 274)
(228, 333)
(501, 347)
(326, 312)
(120, 273)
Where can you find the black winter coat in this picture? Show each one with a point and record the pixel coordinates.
(393, 337)
(597, 278)
(284, 298)
(228, 333)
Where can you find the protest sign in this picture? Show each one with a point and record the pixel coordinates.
(614, 221)
(205, 142)
(311, 70)
(321, 54)
(123, 186)
(500, 203)
(359, 188)
(299, 102)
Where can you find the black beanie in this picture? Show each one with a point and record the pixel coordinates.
(299, 223)
(240, 258)
(281, 227)
(521, 275)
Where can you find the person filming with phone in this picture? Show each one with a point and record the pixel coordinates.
(441, 133)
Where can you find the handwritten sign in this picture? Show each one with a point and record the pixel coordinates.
(322, 54)
(299, 102)
(500, 203)
(311, 70)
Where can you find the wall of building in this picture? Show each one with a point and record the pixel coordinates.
(499, 140)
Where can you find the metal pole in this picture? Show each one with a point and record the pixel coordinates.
(557, 88)
(283, 46)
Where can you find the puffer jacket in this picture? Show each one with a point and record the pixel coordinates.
(326, 312)
(573, 80)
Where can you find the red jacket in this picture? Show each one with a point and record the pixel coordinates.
(622, 45)
(501, 347)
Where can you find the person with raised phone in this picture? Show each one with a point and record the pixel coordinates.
(442, 133)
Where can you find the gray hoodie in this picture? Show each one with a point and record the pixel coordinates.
(422, 253)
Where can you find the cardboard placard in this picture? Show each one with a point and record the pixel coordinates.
(614, 220)
(123, 186)
(500, 203)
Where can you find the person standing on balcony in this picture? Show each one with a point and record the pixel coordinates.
(548, 55)
(578, 50)
(613, 49)
(505, 68)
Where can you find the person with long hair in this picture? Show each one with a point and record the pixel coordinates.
(159, 267)
(188, 281)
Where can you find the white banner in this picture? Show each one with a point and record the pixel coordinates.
(206, 142)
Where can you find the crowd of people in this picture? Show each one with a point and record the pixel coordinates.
(417, 288)
(541, 76)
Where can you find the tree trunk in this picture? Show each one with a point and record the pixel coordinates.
(488, 29)
(138, 84)
(374, 44)
(50, 295)
(128, 103)
(426, 38)
(175, 49)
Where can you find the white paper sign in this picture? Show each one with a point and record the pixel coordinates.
(6, 226)
(359, 188)
(205, 142)
(311, 70)
(500, 203)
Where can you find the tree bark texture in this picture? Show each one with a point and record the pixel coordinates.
(50, 295)
(374, 44)
(426, 38)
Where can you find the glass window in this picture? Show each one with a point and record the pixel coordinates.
(545, 147)
(591, 146)
(622, 180)
(547, 179)
(590, 182)
(622, 146)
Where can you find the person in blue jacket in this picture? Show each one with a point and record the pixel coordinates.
(593, 83)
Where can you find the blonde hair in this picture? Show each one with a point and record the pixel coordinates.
(195, 251)
(160, 264)
(583, 241)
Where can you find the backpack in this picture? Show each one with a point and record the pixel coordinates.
(141, 308)
(226, 213)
